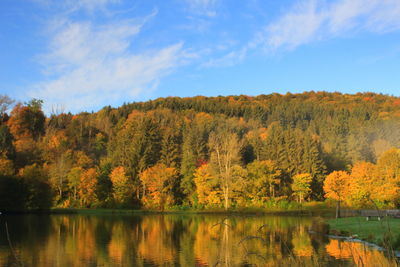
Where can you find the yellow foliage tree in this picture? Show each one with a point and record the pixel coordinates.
(120, 184)
(264, 176)
(388, 177)
(158, 182)
(336, 186)
(206, 188)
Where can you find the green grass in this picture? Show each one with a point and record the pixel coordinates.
(384, 233)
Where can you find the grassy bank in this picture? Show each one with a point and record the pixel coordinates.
(385, 233)
(310, 210)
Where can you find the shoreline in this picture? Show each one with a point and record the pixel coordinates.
(384, 234)
(301, 212)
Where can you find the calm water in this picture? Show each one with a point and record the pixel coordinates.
(173, 240)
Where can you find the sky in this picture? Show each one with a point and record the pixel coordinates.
(82, 55)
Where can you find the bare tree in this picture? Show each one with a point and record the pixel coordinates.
(225, 148)
(5, 103)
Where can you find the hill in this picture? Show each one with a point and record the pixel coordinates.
(199, 151)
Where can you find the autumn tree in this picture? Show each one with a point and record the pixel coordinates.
(336, 186)
(122, 189)
(264, 177)
(301, 185)
(74, 180)
(87, 187)
(239, 184)
(27, 124)
(5, 102)
(388, 177)
(136, 146)
(364, 189)
(27, 120)
(225, 153)
(257, 138)
(389, 164)
(58, 171)
(158, 182)
(195, 152)
(207, 189)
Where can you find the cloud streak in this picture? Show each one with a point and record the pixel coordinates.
(312, 20)
(88, 5)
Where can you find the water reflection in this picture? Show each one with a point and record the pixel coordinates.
(358, 253)
(174, 240)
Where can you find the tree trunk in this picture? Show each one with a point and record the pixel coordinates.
(338, 209)
(226, 196)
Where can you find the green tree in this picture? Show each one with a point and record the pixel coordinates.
(74, 180)
(264, 177)
(301, 185)
(194, 149)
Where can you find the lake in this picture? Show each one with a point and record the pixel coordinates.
(174, 240)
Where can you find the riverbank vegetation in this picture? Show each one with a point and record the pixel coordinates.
(385, 232)
(203, 153)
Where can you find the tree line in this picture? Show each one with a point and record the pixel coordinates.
(202, 152)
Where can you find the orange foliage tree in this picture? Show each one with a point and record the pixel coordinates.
(87, 187)
(158, 182)
(26, 124)
(336, 186)
(363, 189)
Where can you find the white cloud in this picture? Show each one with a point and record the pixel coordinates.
(90, 66)
(70, 6)
(203, 7)
(230, 59)
(89, 5)
(313, 20)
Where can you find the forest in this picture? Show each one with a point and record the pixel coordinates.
(203, 153)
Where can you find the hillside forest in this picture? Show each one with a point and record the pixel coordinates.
(203, 153)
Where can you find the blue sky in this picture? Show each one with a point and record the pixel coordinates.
(81, 55)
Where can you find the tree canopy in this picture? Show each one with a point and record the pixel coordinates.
(204, 151)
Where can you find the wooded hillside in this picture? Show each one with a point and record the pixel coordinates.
(201, 152)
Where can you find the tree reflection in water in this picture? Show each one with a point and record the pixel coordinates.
(176, 240)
